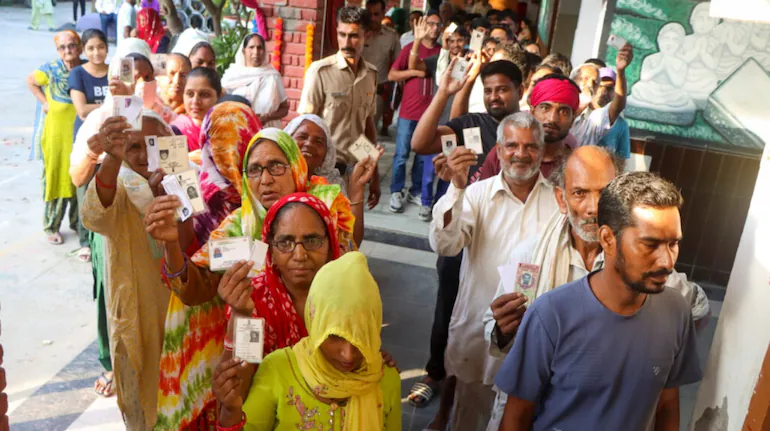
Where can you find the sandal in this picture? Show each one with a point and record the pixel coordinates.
(55, 239)
(106, 383)
(84, 254)
(422, 393)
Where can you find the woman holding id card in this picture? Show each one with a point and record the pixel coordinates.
(335, 376)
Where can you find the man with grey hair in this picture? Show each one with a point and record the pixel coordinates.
(486, 220)
(610, 349)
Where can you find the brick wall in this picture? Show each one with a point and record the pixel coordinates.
(296, 15)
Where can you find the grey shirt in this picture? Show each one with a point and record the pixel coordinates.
(587, 368)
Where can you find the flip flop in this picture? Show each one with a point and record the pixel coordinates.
(106, 383)
(55, 239)
(422, 393)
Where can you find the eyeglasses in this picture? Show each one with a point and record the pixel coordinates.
(433, 24)
(275, 169)
(70, 47)
(309, 244)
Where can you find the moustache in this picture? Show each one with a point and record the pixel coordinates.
(550, 125)
(527, 160)
(592, 220)
(657, 273)
(348, 50)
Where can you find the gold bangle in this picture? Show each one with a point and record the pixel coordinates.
(356, 203)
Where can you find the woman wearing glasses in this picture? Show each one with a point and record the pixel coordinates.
(49, 86)
(273, 168)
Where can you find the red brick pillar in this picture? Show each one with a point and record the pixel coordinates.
(3, 397)
(296, 15)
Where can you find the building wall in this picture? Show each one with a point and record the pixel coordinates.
(743, 332)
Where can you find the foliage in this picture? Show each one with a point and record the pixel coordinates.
(226, 46)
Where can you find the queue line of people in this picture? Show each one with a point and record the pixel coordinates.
(170, 317)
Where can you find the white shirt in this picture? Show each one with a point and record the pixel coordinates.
(591, 125)
(488, 221)
(476, 101)
(406, 38)
(126, 18)
(107, 6)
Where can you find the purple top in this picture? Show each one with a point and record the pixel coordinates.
(151, 3)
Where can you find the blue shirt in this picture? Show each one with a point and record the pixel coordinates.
(587, 368)
(618, 139)
(95, 89)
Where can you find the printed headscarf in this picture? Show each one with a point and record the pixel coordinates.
(327, 168)
(248, 220)
(344, 300)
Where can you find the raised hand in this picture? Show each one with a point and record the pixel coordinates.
(449, 84)
(226, 386)
(235, 288)
(508, 310)
(459, 163)
(113, 137)
(420, 29)
(625, 57)
(441, 168)
(160, 218)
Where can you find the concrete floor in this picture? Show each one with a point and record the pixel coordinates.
(48, 313)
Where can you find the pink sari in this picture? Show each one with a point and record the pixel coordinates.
(187, 127)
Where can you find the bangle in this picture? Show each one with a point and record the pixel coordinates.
(228, 344)
(176, 274)
(236, 427)
(102, 185)
(356, 203)
(414, 53)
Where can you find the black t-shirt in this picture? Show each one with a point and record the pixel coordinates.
(488, 126)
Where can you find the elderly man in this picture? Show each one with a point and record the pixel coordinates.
(114, 207)
(595, 121)
(487, 220)
(502, 82)
(566, 250)
(609, 350)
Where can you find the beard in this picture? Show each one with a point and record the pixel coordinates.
(512, 173)
(638, 285)
(577, 226)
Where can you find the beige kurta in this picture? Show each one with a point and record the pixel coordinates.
(136, 303)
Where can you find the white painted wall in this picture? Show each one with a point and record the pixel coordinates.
(743, 331)
(588, 31)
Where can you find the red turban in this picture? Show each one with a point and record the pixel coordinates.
(555, 90)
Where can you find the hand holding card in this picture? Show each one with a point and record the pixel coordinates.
(171, 185)
(477, 40)
(129, 107)
(249, 339)
(363, 148)
(224, 253)
(126, 70)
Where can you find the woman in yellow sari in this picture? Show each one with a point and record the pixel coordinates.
(334, 378)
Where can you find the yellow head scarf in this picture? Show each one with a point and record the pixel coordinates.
(344, 300)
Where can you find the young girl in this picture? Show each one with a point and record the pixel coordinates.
(89, 83)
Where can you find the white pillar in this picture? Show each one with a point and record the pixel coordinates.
(588, 34)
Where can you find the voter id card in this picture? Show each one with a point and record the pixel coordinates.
(477, 40)
(249, 342)
(460, 69)
(171, 185)
(472, 138)
(192, 188)
(616, 41)
(129, 107)
(172, 154)
(363, 148)
(126, 71)
(448, 144)
(224, 253)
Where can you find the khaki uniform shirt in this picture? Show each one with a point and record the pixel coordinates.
(381, 50)
(342, 98)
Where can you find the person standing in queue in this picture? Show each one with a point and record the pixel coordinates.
(342, 89)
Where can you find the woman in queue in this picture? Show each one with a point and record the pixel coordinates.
(201, 92)
(334, 376)
(252, 77)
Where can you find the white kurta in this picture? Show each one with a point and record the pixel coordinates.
(489, 222)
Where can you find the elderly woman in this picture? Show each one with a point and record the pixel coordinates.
(252, 77)
(114, 206)
(49, 86)
(335, 375)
